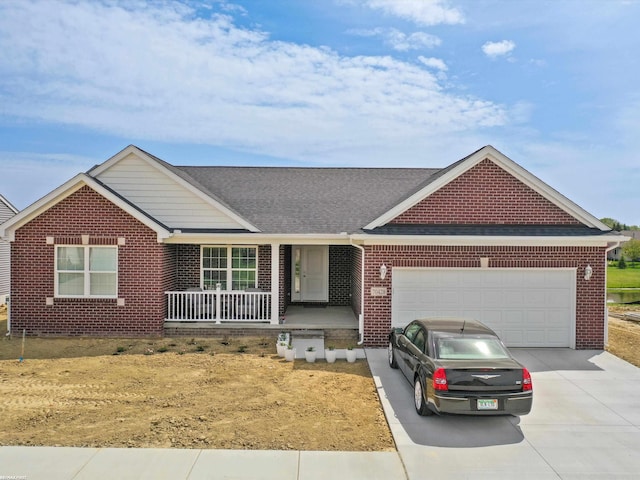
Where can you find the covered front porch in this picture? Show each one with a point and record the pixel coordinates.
(282, 286)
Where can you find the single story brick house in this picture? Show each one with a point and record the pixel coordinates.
(136, 244)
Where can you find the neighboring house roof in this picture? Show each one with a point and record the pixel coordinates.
(632, 234)
(8, 208)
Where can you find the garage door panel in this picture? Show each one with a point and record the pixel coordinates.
(527, 307)
(535, 298)
(471, 297)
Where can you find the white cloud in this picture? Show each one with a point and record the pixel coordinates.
(433, 63)
(400, 41)
(498, 49)
(422, 12)
(158, 72)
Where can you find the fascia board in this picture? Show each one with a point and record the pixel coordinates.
(510, 166)
(257, 238)
(7, 229)
(468, 240)
(132, 149)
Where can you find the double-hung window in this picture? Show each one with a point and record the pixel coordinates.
(86, 271)
(234, 268)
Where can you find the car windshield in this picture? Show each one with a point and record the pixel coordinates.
(469, 348)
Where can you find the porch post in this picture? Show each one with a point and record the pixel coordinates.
(275, 283)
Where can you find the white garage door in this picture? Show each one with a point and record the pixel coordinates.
(525, 307)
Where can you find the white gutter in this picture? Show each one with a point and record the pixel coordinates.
(361, 316)
(471, 240)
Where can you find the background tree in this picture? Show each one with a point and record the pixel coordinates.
(614, 224)
(631, 250)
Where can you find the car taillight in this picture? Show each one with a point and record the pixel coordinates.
(527, 385)
(440, 380)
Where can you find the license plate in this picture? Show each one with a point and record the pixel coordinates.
(487, 404)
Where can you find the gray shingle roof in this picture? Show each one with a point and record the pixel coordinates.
(308, 200)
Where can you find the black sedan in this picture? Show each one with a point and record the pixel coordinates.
(460, 366)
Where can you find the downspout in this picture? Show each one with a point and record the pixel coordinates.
(606, 308)
(361, 316)
(8, 315)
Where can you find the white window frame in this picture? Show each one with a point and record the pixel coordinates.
(229, 269)
(86, 272)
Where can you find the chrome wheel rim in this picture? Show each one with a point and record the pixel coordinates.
(417, 394)
(390, 353)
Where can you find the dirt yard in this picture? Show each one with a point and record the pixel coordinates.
(225, 393)
(624, 340)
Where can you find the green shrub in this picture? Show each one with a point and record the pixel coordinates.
(622, 263)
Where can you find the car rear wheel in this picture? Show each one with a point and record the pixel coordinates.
(392, 356)
(418, 398)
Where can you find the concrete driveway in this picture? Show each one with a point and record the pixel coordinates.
(585, 423)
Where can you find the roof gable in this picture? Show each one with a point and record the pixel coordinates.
(166, 194)
(487, 188)
(8, 229)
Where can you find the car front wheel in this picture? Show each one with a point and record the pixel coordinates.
(418, 398)
(392, 356)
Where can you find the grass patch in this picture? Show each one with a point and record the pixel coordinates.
(623, 278)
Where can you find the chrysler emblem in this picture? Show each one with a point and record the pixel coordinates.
(485, 377)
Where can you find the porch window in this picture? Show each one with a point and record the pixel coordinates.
(86, 271)
(236, 267)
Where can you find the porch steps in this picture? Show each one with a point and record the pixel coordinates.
(303, 339)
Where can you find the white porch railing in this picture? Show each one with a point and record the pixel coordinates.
(219, 306)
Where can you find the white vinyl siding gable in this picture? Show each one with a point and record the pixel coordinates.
(6, 212)
(162, 197)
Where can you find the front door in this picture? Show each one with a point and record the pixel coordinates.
(310, 273)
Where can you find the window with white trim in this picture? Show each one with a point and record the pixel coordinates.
(230, 266)
(86, 271)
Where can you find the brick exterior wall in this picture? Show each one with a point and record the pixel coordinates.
(187, 266)
(340, 275)
(590, 295)
(486, 194)
(144, 272)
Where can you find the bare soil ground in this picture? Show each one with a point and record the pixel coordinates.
(624, 337)
(225, 393)
(221, 393)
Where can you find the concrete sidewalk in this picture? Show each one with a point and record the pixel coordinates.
(66, 463)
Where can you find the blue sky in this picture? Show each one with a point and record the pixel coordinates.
(416, 83)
